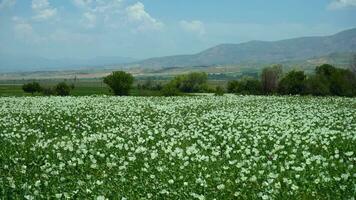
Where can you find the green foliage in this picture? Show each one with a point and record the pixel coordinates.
(150, 85)
(246, 86)
(62, 89)
(293, 83)
(120, 82)
(270, 78)
(170, 90)
(193, 82)
(48, 91)
(232, 86)
(316, 86)
(31, 87)
(340, 82)
(219, 91)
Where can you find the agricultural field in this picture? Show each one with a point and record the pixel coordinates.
(230, 147)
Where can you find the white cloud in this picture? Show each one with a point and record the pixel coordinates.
(82, 3)
(96, 11)
(43, 10)
(136, 13)
(89, 19)
(98, 6)
(194, 26)
(114, 14)
(112, 6)
(340, 4)
(7, 3)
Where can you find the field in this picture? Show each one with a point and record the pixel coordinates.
(231, 147)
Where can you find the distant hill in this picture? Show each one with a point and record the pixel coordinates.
(253, 52)
(334, 49)
(16, 63)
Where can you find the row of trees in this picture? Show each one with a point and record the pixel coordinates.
(327, 80)
(121, 82)
(61, 89)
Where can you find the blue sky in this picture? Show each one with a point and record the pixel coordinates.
(149, 28)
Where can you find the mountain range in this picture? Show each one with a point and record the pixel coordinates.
(255, 52)
(248, 54)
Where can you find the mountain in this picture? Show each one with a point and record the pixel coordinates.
(255, 52)
(17, 63)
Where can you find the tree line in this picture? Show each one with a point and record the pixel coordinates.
(327, 80)
(61, 89)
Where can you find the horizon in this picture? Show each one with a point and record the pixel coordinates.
(85, 29)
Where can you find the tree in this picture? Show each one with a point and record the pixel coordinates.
(170, 90)
(353, 64)
(270, 77)
(249, 86)
(316, 86)
(340, 82)
(120, 82)
(293, 83)
(31, 87)
(246, 86)
(62, 89)
(48, 91)
(232, 86)
(219, 91)
(193, 82)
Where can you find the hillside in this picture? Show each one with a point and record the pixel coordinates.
(263, 52)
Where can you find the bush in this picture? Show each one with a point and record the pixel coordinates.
(150, 85)
(219, 91)
(247, 86)
(48, 91)
(193, 82)
(232, 86)
(170, 90)
(293, 83)
(120, 82)
(31, 87)
(62, 89)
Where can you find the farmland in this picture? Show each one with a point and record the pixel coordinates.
(231, 147)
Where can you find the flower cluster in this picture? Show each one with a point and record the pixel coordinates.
(229, 147)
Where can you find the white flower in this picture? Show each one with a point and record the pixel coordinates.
(100, 197)
(221, 187)
(350, 153)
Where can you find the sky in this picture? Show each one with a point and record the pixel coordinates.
(84, 29)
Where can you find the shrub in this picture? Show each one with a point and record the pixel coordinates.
(150, 85)
(247, 86)
(120, 82)
(232, 86)
(62, 89)
(193, 82)
(170, 90)
(31, 87)
(219, 91)
(48, 91)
